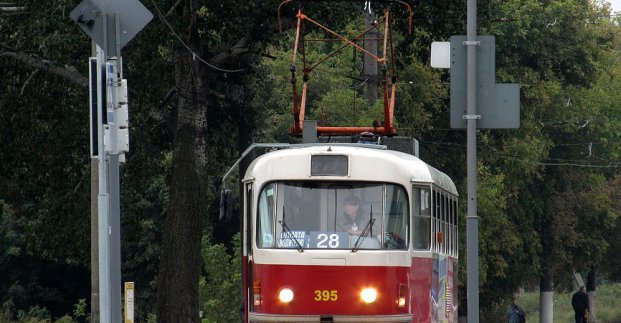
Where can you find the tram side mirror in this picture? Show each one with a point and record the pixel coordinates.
(226, 204)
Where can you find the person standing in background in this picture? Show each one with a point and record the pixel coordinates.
(580, 303)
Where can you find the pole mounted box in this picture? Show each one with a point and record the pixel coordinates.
(116, 132)
(498, 104)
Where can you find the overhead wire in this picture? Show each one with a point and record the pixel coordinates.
(550, 161)
(194, 54)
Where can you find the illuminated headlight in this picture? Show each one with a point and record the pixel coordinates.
(285, 295)
(401, 299)
(368, 295)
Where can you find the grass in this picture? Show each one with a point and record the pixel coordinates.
(608, 309)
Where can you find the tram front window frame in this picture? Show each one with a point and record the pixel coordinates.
(314, 212)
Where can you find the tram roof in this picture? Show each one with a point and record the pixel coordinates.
(289, 163)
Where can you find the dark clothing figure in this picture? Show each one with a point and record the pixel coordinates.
(354, 219)
(580, 303)
(355, 225)
(515, 314)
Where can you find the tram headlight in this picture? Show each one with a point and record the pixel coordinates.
(368, 295)
(401, 299)
(285, 295)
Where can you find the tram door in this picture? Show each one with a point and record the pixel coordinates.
(246, 245)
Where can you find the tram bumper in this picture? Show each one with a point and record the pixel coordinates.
(256, 317)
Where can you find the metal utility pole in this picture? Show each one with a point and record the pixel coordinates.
(370, 65)
(488, 105)
(102, 200)
(111, 24)
(94, 198)
(472, 220)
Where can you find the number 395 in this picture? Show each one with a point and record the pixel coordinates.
(326, 295)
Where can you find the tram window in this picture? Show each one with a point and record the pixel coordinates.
(396, 236)
(312, 214)
(247, 215)
(265, 218)
(421, 219)
(436, 217)
(449, 225)
(442, 221)
(442, 229)
(455, 229)
(301, 207)
(445, 220)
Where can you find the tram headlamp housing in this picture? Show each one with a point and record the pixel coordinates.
(368, 295)
(401, 298)
(256, 288)
(285, 295)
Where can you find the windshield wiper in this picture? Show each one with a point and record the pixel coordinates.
(363, 234)
(288, 231)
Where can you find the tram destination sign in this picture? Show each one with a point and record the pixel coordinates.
(314, 239)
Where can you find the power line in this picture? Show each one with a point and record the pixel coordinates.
(194, 55)
(616, 165)
(560, 162)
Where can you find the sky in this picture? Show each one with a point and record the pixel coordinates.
(615, 5)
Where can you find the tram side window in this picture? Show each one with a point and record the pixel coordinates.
(436, 221)
(397, 218)
(455, 228)
(449, 225)
(445, 225)
(421, 218)
(265, 225)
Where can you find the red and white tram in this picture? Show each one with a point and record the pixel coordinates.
(398, 264)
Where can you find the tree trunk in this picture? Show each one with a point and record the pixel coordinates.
(546, 297)
(590, 287)
(180, 262)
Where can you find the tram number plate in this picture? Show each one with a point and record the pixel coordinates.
(324, 295)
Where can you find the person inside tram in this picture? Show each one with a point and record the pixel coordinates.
(354, 219)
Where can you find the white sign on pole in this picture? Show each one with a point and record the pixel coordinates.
(441, 54)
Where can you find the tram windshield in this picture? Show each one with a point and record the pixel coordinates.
(332, 215)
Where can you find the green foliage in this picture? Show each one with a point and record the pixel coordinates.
(80, 308)
(37, 314)
(220, 289)
(559, 40)
(611, 262)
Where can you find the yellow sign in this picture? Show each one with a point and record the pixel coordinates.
(129, 302)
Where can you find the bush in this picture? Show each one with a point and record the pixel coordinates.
(220, 289)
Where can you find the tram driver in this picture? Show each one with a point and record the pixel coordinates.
(354, 219)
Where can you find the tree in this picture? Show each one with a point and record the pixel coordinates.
(216, 35)
(534, 48)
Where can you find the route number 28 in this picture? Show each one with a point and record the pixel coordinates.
(326, 295)
(327, 241)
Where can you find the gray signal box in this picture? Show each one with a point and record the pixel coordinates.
(498, 104)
